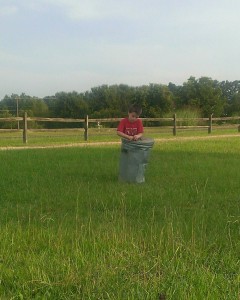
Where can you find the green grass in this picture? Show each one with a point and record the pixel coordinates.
(57, 137)
(70, 230)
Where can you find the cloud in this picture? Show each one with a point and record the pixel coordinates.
(100, 9)
(8, 10)
(78, 10)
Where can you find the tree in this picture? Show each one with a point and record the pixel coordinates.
(159, 100)
(234, 107)
(176, 91)
(69, 105)
(204, 94)
(4, 113)
(211, 98)
(230, 89)
(190, 94)
(18, 104)
(115, 98)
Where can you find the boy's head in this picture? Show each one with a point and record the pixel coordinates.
(134, 112)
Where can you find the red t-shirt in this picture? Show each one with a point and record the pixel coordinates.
(129, 128)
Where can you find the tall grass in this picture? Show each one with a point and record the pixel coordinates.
(69, 230)
(189, 115)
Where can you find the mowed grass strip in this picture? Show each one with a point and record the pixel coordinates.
(68, 137)
(70, 230)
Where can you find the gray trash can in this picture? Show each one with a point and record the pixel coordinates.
(134, 159)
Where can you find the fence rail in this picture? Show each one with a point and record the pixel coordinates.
(174, 120)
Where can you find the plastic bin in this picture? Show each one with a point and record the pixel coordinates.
(134, 159)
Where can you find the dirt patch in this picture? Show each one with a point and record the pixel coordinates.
(60, 146)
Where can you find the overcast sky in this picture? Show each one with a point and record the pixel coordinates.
(48, 46)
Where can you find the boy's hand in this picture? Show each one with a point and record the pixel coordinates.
(136, 137)
(131, 138)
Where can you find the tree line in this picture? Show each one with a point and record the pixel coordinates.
(203, 96)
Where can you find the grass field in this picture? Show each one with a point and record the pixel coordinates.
(70, 230)
(71, 136)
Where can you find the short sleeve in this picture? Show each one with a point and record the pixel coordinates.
(121, 125)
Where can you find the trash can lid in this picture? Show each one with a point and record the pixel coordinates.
(143, 143)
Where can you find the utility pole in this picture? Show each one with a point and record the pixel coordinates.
(17, 113)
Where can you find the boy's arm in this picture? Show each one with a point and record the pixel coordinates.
(140, 131)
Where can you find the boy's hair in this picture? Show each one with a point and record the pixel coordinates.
(136, 109)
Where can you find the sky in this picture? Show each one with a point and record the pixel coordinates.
(50, 46)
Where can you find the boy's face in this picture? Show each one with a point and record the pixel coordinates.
(132, 116)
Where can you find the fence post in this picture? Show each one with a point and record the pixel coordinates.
(174, 124)
(210, 124)
(86, 128)
(25, 128)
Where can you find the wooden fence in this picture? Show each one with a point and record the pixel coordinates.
(174, 122)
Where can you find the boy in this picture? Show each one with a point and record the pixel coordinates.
(131, 128)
